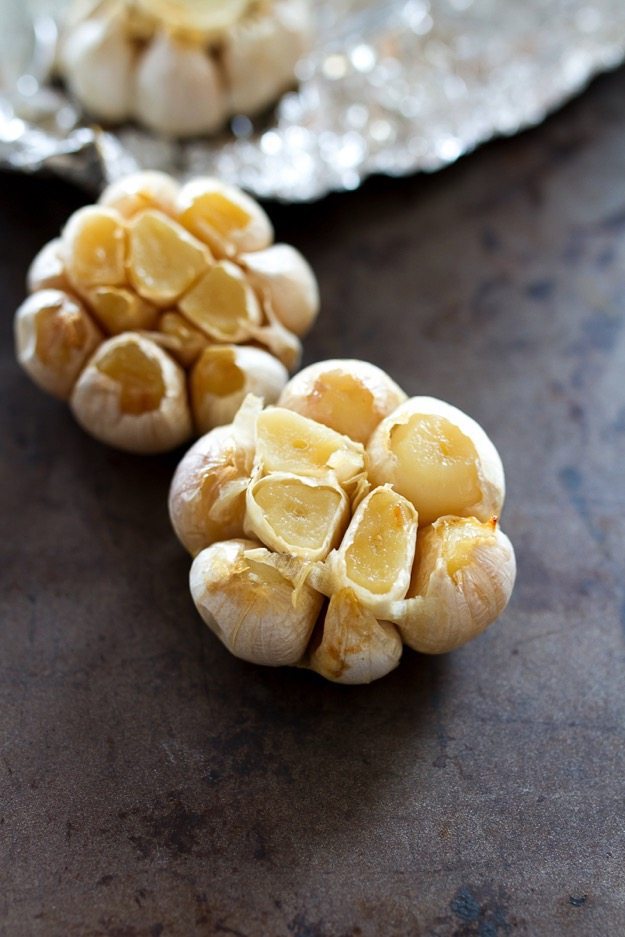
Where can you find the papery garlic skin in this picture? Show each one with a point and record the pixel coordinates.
(250, 605)
(54, 338)
(452, 601)
(47, 271)
(224, 375)
(354, 647)
(285, 279)
(457, 447)
(349, 396)
(207, 493)
(97, 401)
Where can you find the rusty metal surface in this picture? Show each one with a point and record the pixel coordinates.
(150, 784)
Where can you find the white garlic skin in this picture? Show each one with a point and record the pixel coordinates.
(139, 191)
(207, 493)
(381, 460)
(98, 61)
(47, 271)
(260, 58)
(260, 618)
(57, 379)
(311, 393)
(263, 375)
(177, 89)
(95, 402)
(285, 280)
(355, 647)
(451, 610)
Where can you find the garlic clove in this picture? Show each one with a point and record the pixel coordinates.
(354, 647)
(178, 90)
(463, 578)
(138, 191)
(223, 217)
(224, 375)
(252, 607)
(93, 248)
(164, 259)
(204, 18)
(132, 395)
(47, 271)
(286, 282)
(303, 517)
(283, 344)
(180, 338)
(222, 304)
(376, 554)
(98, 63)
(352, 397)
(439, 458)
(288, 442)
(261, 53)
(54, 337)
(207, 493)
(120, 310)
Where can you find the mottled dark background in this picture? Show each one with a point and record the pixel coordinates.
(153, 785)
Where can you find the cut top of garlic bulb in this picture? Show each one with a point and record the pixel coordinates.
(402, 538)
(164, 262)
(208, 18)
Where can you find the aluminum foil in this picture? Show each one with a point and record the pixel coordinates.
(389, 87)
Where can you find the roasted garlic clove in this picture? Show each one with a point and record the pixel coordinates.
(54, 338)
(224, 375)
(132, 395)
(303, 517)
(207, 494)
(253, 607)
(223, 217)
(222, 304)
(133, 194)
(354, 647)
(178, 89)
(439, 459)
(47, 271)
(120, 310)
(164, 260)
(463, 578)
(286, 283)
(351, 397)
(180, 338)
(376, 554)
(93, 248)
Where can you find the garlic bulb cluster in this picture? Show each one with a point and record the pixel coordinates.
(181, 67)
(160, 308)
(342, 523)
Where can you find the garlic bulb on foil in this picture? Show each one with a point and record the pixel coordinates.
(181, 67)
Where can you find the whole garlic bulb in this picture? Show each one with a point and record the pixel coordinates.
(181, 68)
(356, 525)
(166, 263)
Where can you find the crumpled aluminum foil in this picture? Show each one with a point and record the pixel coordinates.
(391, 86)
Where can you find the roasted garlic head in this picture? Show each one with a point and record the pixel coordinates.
(330, 530)
(160, 308)
(181, 67)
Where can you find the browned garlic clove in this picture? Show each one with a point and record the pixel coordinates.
(350, 396)
(223, 217)
(252, 606)
(133, 194)
(354, 646)
(439, 459)
(463, 578)
(132, 395)
(54, 338)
